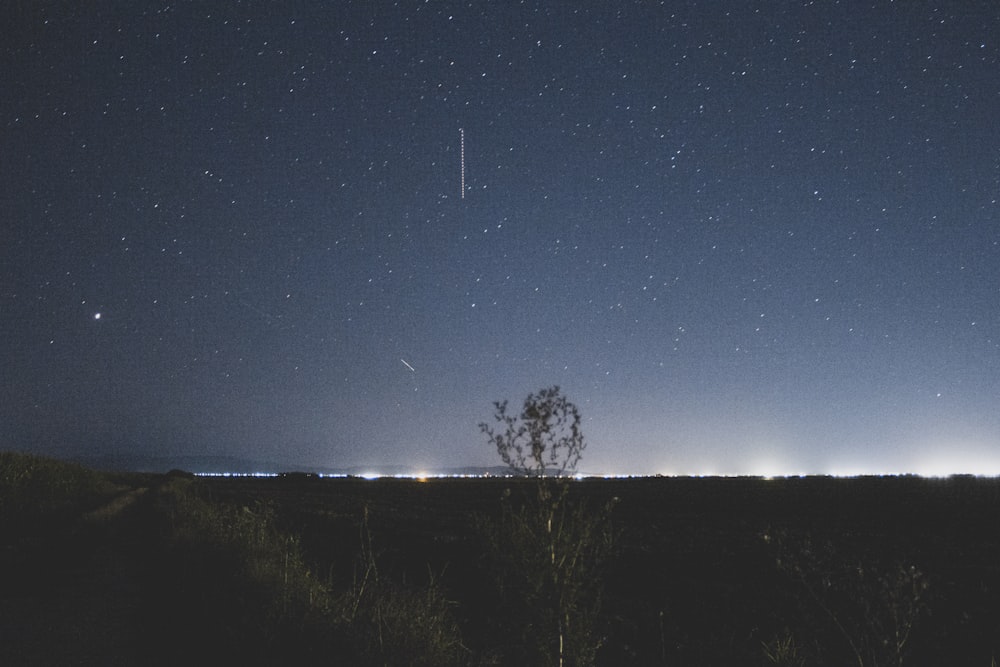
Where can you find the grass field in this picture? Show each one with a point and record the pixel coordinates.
(169, 569)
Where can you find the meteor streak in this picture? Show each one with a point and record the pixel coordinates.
(408, 365)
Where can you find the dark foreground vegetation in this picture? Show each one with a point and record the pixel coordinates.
(170, 569)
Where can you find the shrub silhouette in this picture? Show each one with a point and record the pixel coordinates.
(36, 487)
(873, 606)
(548, 548)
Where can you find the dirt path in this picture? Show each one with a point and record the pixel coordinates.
(78, 598)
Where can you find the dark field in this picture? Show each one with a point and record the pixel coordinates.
(880, 568)
(693, 580)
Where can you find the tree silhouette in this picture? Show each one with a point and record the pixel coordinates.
(545, 439)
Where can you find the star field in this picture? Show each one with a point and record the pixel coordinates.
(742, 237)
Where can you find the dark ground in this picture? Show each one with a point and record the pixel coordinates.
(694, 579)
(74, 593)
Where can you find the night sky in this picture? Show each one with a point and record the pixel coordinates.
(743, 237)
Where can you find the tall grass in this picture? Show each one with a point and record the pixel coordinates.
(246, 587)
(231, 581)
(391, 624)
